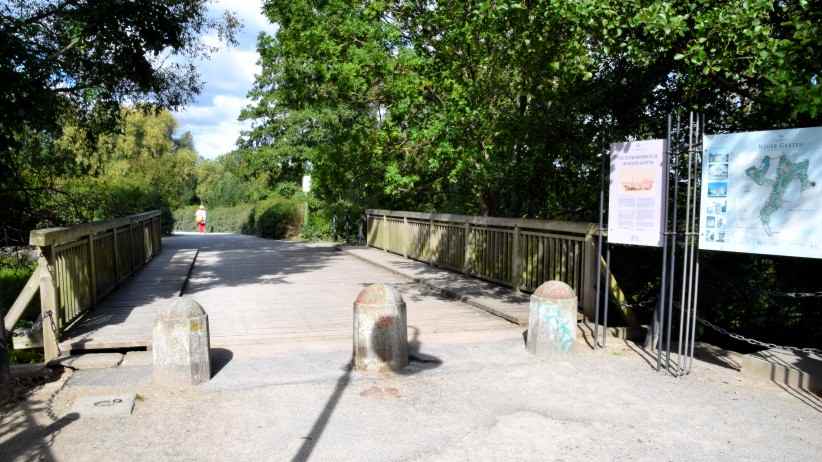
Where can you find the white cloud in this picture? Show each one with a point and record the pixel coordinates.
(214, 126)
(228, 75)
(230, 70)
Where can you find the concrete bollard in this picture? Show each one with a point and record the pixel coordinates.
(380, 332)
(181, 347)
(552, 319)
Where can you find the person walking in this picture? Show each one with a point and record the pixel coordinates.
(200, 218)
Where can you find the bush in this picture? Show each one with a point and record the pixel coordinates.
(340, 220)
(276, 218)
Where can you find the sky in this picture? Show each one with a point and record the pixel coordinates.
(228, 75)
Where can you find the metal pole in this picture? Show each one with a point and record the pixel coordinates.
(599, 249)
(672, 267)
(659, 314)
(693, 319)
(607, 293)
(694, 263)
(686, 249)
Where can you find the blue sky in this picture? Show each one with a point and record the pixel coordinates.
(228, 75)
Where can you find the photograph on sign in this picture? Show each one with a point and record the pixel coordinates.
(761, 192)
(636, 193)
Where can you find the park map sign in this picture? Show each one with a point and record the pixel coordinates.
(761, 192)
(636, 191)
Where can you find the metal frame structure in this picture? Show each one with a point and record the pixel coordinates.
(682, 148)
(682, 165)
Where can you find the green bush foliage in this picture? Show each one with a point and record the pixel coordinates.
(273, 218)
(276, 218)
(220, 219)
(14, 273)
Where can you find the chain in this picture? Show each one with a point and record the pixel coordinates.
(755, 342)
(798, 294)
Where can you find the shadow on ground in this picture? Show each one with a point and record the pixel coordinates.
(418, 362)
(21, 436)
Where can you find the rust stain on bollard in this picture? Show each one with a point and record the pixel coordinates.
(380, 332)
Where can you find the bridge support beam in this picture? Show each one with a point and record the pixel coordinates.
(380, 330)
(552, 320)
(181, 346)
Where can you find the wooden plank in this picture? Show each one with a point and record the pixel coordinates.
(23, 299)
(92, 268)
(48, 308)
(583, 228)
(55, 236)
(262, 293)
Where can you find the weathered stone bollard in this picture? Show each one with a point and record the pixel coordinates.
(380, 332)
(552, 319)
(181, 347)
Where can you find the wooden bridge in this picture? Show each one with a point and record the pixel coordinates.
(100, 284)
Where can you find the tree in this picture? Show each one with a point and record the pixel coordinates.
(506, 107)
(75, 63)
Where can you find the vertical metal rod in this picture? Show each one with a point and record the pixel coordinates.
(703, 125)
(672, 266)
(607, 294)
(659, 314)
(686, 240)
(693, 319)
(599, 251)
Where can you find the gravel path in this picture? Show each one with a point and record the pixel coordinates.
(486, 401)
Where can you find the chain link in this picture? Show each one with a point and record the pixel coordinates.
(798, 294)
(755, 342)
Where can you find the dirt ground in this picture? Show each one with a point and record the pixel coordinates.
(481, 399)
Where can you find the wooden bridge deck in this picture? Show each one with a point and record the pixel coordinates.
(263, 292)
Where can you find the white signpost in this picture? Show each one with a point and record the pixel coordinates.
(761, 192)
(637, 193)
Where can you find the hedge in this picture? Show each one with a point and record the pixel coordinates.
(274, 218)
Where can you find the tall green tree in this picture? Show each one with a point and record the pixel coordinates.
(505, 107)
(74, 63)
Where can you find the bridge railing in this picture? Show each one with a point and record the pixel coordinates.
(80, 265)
(519, 253)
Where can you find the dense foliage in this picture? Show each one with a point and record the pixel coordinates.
(504, 107)
(67, 64)
(273, 218)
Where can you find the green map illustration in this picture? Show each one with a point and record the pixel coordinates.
(786, 172)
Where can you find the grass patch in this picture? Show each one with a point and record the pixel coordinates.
(13, 276)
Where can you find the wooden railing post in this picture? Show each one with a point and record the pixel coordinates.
(386, 234)
(405, 238)
(133, 248)
(116, 254)
(589, 276)
(159, 234)
(92, 270)
(431, 260)
(368, 242)
(515, 261)
(466, 248)
(49, 304)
